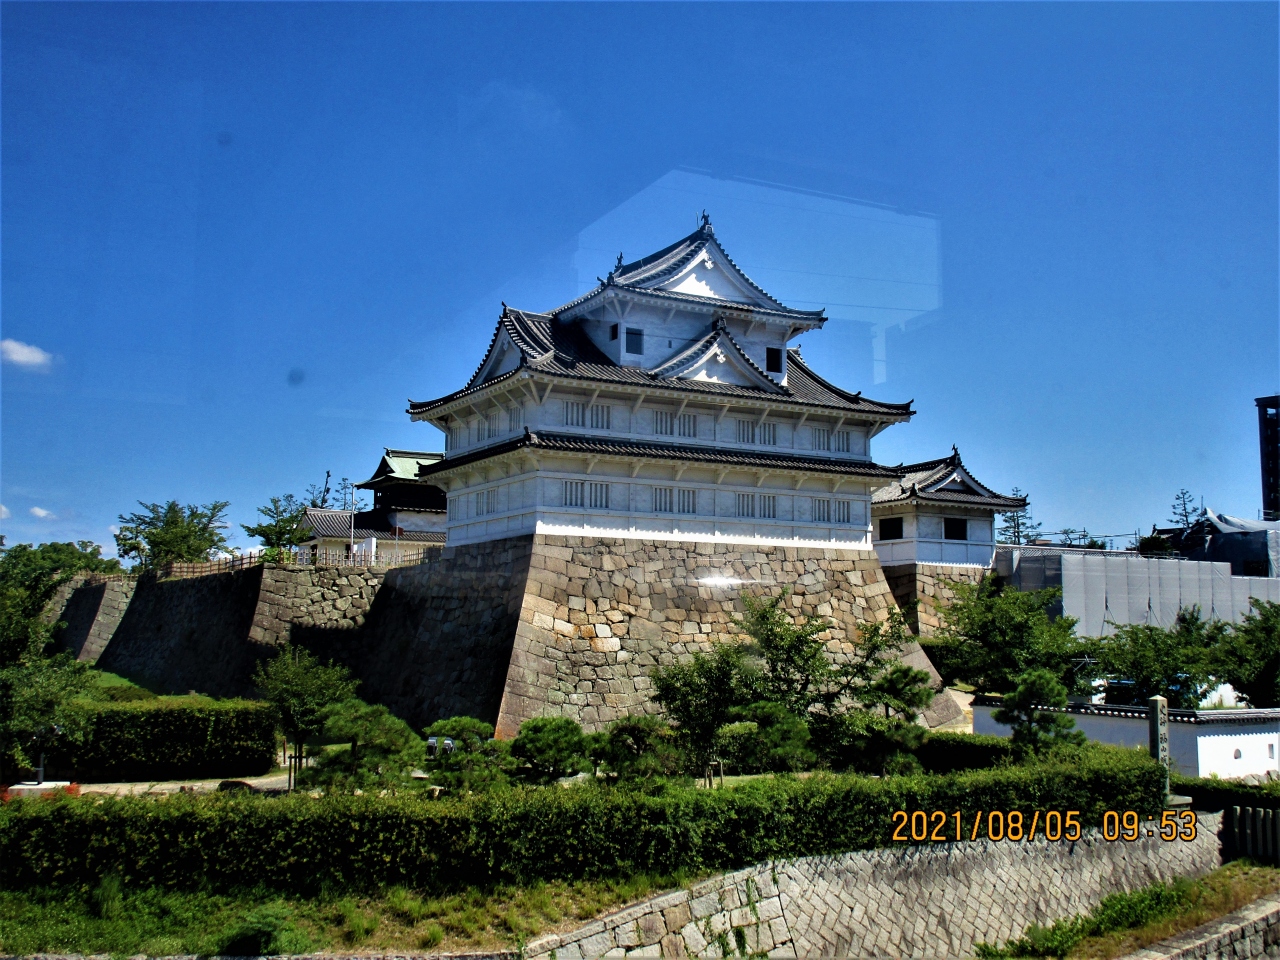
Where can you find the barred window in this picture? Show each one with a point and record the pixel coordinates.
(746, 504)
(491, 425)
(515, 419)
(821, 438)
(601, 416)
(455, 506)
(664, 423)
(688, 424)
(769, 434)
(769, 506)
(486, 501)
(598, 495)
(575, 413)
(844, 511)
(746, 431)
(451, 438)
(573, 490)
(687, 501)
(842, 441)
(821, 511)
(664, 499)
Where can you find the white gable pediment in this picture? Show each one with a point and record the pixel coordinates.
(503, 358)
(721, 366)
(712, 275)
(960, 482)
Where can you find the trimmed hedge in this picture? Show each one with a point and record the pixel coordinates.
(172, 738)
(1207, 793)
(302, 844)
(948, 752)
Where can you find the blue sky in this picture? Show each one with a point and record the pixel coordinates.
(240, 236)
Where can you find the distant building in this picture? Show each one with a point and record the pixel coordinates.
(408, 514)
(1269, 449)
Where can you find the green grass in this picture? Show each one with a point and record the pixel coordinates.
(1125, 922)
(111, 919)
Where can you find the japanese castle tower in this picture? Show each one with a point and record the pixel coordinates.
(664, 404)
(619, 470)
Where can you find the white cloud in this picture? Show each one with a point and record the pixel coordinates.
(113, 529)
(25, 355)
(4, 512)
(42, 514)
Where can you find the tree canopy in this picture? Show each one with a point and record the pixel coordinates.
(171, 533)
(280, 527)
(301, 688)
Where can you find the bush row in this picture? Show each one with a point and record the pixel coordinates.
(948, 752)
(1207, 793)
(302, 844)
(174, 738)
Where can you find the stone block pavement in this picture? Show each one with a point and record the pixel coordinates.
(919, 901)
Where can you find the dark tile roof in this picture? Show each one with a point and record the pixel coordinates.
(746, 459)
(921, 482)
(649, 273)
(369, 523)
(564, 350)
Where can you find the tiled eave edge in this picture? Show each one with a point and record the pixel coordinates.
(1199, 717)
(1000, 505)
(449, 405)
(693, 303)
(527, 447)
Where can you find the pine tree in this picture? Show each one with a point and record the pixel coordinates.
(1017, 525)
(1185, 511)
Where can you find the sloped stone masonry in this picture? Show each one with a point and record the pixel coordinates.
(918, 901)
(931, 586)
(600, 613)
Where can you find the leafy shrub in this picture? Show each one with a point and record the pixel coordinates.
(947, 752)
(550, 748)
(265, 930)
(866, 742)
(167, 738)
(765, 737)
(384, 751)
(477, 763)
(522, 835)
(1209, 793)
(636, 748)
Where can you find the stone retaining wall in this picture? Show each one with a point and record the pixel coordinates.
(1251, 932)
(918, 901)
(599, 613)
(929, 585)
(92, 608)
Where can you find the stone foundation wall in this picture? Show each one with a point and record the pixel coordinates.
(929, 584)
(599, 613)
(92, 608)
(918, 901)
(191, 634)
(504, 630)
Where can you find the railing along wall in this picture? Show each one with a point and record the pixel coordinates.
(319, 558)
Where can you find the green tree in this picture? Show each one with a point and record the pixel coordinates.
(1249, 659)
(766, 736)
(795, 671)
(280, 527)
(697, 696)
(1035, 728)
(640, 747)
(875, 677)
(550, 748)
(477, 763)
(990, 636)
(384, 751)
(301, 688)
(1185, 511)
(1141, 661)
(866, 742)
(1017, 525)
(170, 533)
(318, 494)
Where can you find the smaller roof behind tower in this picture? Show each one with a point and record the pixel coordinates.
(945, 481)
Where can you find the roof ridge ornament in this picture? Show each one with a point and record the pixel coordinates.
(704, 223)
(619, 263)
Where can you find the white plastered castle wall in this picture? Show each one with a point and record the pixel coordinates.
(923, 535)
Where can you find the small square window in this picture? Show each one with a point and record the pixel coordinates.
(613, 331)
(635, 341)
(773, 359)
(953, 529)
(891, 528)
